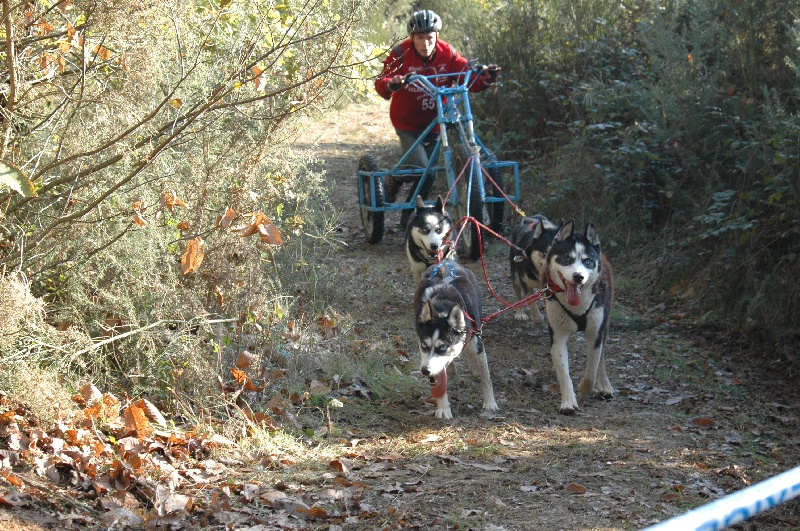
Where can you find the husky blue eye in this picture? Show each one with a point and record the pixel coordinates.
(589, 263)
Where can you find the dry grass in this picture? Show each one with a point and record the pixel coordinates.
(24, 382)
(20, 309)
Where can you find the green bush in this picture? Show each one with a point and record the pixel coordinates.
(672, 126)
(140, 125)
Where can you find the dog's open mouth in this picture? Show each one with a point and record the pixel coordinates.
(435, 254)
(573, 291)
(438, 384)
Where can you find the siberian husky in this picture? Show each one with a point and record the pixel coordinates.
(580, 276)
(532, 238)
(425, 237)
(448, 316)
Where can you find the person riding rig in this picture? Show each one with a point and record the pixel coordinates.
(411, 110)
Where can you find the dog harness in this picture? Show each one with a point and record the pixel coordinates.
(579, 320)
(435, 271)
(475, 329)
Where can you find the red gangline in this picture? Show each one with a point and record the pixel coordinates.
(470, 219)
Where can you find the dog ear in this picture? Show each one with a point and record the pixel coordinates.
(439, 204)
(548, 223)
(456, 318)
(427, 312)
(591, 234)
(566, 230)
(420, 203)
(538, 229)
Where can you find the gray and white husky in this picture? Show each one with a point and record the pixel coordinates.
(425, 237)
(448, 315)
(532, 238)
(579, 273)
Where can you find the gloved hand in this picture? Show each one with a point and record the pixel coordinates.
(395, 83)
(489, 73)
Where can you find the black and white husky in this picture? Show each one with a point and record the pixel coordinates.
(532, 238)
(448, 316)
(580, 275)
(425, 237)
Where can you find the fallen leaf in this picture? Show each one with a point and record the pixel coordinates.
(91, 393)
(574, 488)
(488, 468)
(318, 513)
(339, 466)
(14, 499)
(11, 478)
(152, 412)
(244, 380)
(326, 326)
(704, 422)
(244, 360)
(392, 456)
(239, 375)
(136, 421)
(7, 418)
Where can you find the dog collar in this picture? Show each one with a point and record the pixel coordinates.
(552, 287)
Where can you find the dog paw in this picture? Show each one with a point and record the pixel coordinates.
(606, 393)
(490, 406)
(520, 316)
(444, 414)
(567, 410)
(568, 406)
(486, 414)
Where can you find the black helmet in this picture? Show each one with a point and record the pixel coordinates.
(424, 21)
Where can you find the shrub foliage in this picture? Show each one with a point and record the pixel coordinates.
(140, 127)
(673, 126)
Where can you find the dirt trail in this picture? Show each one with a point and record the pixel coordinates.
(693, 419)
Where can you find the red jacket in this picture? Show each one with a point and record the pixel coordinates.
(411, 109)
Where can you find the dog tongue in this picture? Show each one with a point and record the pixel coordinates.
(573, 294)
(439, 388)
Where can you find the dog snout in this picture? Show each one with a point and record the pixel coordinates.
(434, 246)
(577, 278)
(425, 371)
